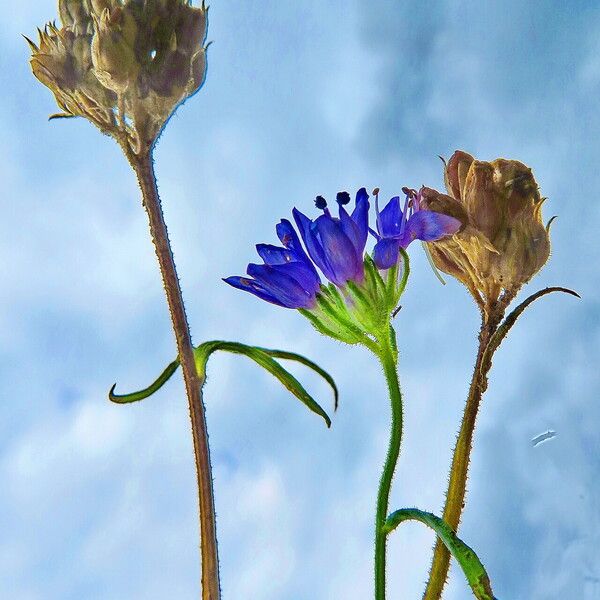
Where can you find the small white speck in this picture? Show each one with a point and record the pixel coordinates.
(543, 437)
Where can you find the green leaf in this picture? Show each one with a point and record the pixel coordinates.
(511, 319)
(262, 356)
(311, 365)
(471, 565)
(146, 392)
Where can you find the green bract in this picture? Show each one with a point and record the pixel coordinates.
(361, 313)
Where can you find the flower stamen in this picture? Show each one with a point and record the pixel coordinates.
(342, 198)
(320, 203)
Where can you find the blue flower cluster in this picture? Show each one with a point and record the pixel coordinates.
(336, 245)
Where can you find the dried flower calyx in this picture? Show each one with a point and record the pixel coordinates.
(124, 65)
(502, 242)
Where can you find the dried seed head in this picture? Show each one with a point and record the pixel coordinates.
(62, 61)
(113, 55)
(123, 64)
(503, 241)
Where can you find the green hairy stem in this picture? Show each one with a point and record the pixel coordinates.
(388, 356)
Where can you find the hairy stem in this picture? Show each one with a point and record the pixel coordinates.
(455, 495)
(388, 357)
(144, 169)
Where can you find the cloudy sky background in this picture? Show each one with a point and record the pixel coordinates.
(97, 501)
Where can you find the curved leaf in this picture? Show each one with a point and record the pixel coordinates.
(511, 319)
(146, 392)
(311, 365)
(471, 565)
(262, 358)
(265, 357)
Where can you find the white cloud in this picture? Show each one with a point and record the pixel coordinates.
(99, 500)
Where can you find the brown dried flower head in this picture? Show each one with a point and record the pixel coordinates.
(123, 64)
(503, 242)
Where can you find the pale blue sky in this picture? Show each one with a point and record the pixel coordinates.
(98, 502)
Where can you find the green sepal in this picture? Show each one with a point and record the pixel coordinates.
(262, 356)
(405, 273)
(377, 288)
(368, 311)
(323, 328)
(374, 277)
(332, 293)
(395, 288)
(471, 565)
(360, 313)
(334, 316)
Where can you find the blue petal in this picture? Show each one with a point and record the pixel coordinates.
(278, 282)
(429, 226)
(312, 243)
(254, 287)
(351, 230)
(289, 238)
(386, 253)
(340, 254)
(303, 274)
(390, 218)
(374, 234)
(274, 255)
(360, 215)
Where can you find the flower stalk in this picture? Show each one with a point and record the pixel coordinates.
(501, 245)
(359, 303)
(388, 356)
(144, 169)
(494, 329)
(457, 484)
(126, 66)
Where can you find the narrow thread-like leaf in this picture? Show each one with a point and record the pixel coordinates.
(262, 356)
(145, 393)
(263, 359)
(311, 365)
(511, 319)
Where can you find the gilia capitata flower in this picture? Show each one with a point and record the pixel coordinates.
(123, 65)
(356, 307)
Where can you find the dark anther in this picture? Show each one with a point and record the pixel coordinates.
(409, 192)
(375, 191)
(320, 202)
(342, 198)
